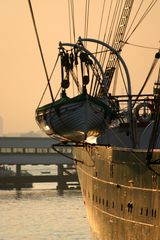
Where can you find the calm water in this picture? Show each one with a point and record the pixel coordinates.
(42, 214)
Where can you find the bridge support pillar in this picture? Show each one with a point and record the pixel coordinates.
(18, 173)
(61, 184)
(18, 169)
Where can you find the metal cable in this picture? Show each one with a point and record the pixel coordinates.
(134, 19)
(87, 5)
(69, 18)
(151, 5)
(147, 78)
(141, 46)
(40, 49)
(49, 80)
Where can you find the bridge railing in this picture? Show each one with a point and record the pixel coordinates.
(25, 150)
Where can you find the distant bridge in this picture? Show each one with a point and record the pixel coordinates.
(33, 151)
(18, 150)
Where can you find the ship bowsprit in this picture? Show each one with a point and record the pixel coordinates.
(73, 119)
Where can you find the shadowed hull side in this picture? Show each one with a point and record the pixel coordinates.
(120, 193)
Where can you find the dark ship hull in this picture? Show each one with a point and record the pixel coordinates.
(120, 192)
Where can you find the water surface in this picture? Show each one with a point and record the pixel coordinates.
(42, 214)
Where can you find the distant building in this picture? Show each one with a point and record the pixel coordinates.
(1, 126)
(32, 134)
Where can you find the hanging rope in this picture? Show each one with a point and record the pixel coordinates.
(71, 19)
(100, 28)
(116, 9)
(40, 49)
(140, 46)
(87, 7)
(129, 29)
(145, 82)
(101, 21)
(151, 5)
(112, 29)
(49, 81)
(113, 23)
(124, 83)
(118, 17)
(107, 22)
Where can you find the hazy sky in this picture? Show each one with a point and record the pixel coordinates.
(21, 73)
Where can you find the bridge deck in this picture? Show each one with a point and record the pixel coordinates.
(33, 151)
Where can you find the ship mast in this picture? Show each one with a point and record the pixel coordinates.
(155, 131)
(117, 44)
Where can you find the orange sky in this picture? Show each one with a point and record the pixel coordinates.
(21, 73)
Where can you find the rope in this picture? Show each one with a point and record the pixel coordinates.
(103, 56)
(49, 81)
(123, 78)
(96, 51)
(100, 26)
(71, 19)
(97, 78)
(63, 154)
(116, 78)
(71, 158)
(119, 13)
(140, 46)
(147, 78)
(112, 31)
(134, 18)
(114, 20)
(151, 5)
(87, 6)
(107, 23)
(40, 48)
(75, 79)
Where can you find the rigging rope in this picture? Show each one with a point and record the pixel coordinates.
(134, 18)
(87, 7)
(40, 49)
(140, 46)
(114, 25)
(107, 23)
(100, 26)
(116, 9)
(71, 158)
(145, 82)
(119, 12)
(102, 55)
(71, 17)
(49, 81)
(151, 5)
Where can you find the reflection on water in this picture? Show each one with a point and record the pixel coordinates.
(42, 214)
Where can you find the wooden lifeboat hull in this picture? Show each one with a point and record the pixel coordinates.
(73, 119)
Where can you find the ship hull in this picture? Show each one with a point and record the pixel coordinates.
(121, 194)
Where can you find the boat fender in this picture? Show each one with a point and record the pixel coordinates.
(146, 117)
(85, 79)
(65, 84)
